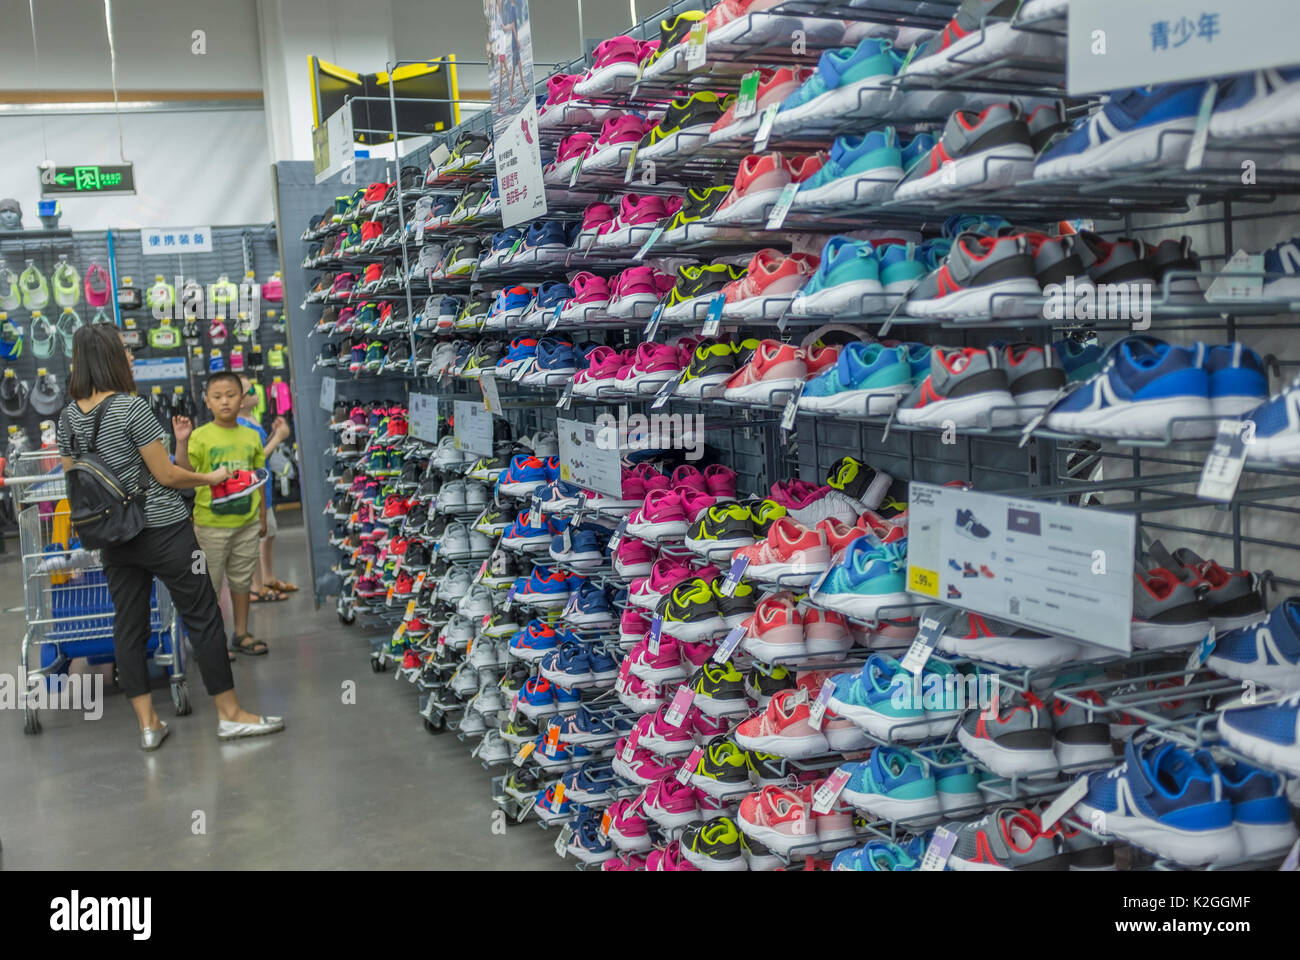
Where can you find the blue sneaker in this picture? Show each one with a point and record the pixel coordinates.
(986, 226)
(534, 640)
(1144, 385)
(592, 608)
(870, 578)
(1238, 380)
(523, 536)
(917, 149)
(847, 279)
(1282, 266)
(511, 303)
(546, 240)
(867, 379)
(1166, 800)
(589, 728)
(593, 780)
(537, 698)
(878, 855)
(957, 782)
(878, 699)
(502, 243)
(585, 549)
(556, 363)
(1080, 361)
(1277, 427)
(549, 296)
(904, 265)
(860, 170)
(558, 495)
(1268, 732)
(545, 588)
(895, 785)
(1144, 125)
(1260, 809)
(1267, 652)
(569, 664)
(589, 845)
(521, 350)
(448, 309)
(1257, 104)
(847, 79)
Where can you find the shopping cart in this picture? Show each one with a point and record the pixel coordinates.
(68, 608)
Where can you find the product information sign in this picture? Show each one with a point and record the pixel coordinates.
(589, 456)
(514, 111)
(333, 147)
(424, 417)
(1061, 570)
(473, 428)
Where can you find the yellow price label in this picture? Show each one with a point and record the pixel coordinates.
(565, 473)
(410, 608)
(923, 581)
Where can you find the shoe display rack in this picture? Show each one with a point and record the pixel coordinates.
(866, 259)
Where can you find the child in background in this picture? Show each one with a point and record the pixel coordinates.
(229, 518)
(266, 588)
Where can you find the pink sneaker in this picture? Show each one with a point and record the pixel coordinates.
(644, 767)
(557, 111)
(628, 832)
(637, 290)
(571, 149)
(633, 861)
(636, 211)
(641, 696)
(776, 629)
(674, 861)
(778, 818)
(666, 573)
(618, 135)
(662, 738)
(783, 729)
(843, 735)
(633, 558)
(590, 293)
(686, 476)
(834, 828)
(662, 515)
(614, 62)
(707, 727)
(658, 668)
(602, 365)
(697, 654)
(633, 626)
(694, 504)
(597, 220)
(721, 481)
(655, 365)
(825, 632)
(670, 803)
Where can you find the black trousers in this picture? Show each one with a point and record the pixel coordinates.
(170, 554)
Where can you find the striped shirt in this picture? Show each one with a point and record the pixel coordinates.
(128, 425)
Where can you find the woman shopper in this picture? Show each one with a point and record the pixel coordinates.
(129, 440)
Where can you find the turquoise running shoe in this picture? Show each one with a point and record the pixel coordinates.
(877, 855)
(895, 784)
(847, 280)
(847, 79)
(870, 578)
(868, 379)
(860, 170)
(880, 700)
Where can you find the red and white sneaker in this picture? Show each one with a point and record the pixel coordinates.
(758, 186)
(768, 286)
(775, 629)
(825, 632)
(774, 368)
(834, 827)
(783, 729)
(792, 554)
(774, 85)
(778, 818)
(239, 484)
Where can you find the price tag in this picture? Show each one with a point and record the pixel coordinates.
(604, 823)
(559, 798)
(747, 99)
(629, 745)
(783, 203)
(652, 327)
(510, 599)
(687, 768)
(791, 411)
(1227, 458)
(631, 164)
(821, 578)
(577, 169)
(830, 791)
(521, 371)
(680, 707)
(616, 537)
(491, 395)
(713, 319)
(764, 132)
(478, 578)
(738, 567)
(696, 46)
(652, 641)
(1238, 288)
(552, 740)
(524, 753)
(554, 322)
(728, 646)
(1063, 804)
(650, 241)
(1199, 655)
(665, 392)
(940, 849)
(562, 841)
(514, 708)
(1201, 133)
(818, 710)
(928, 633)
(1292, 860)
(566, 398)
(535, 512)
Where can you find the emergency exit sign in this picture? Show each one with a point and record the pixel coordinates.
(87, 180)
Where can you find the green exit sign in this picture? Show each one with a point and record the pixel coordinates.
(87, 179)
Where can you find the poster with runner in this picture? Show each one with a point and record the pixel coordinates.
(514, 111)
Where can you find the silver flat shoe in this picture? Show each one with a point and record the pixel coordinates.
(151, 740)
(231, 730)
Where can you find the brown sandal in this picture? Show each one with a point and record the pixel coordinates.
(282, 586)
(267, 595)
(247, 644)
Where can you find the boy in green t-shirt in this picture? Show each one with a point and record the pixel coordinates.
(229, 518)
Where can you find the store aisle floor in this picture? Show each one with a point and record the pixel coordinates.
(358, 786)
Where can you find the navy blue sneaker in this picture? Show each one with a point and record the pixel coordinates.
(521, 351)
(588, 728)
(1282, 267)
(547, 240)
(502, 243)
(558, 495)
(1146, 389)
(1144, 125)
(1260, 809)
(1267, 731)
(1238, 380)
(549, 296)
(556, 363)
(448, 309)
(568, 665)
(1166, 800)
(1267, 652)
(592, 608)
(1277, 428)
(1257, 105)
(593, 780)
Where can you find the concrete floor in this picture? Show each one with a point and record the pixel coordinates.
(359, 786)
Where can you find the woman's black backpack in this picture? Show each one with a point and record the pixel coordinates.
(103, 511)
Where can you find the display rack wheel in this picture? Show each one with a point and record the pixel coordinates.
(376, 665)
(31, 722)
(436, 726)
(181, 698)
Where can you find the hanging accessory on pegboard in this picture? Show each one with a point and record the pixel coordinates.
(34, 287)
(128, 295)
(217, 333)
(66, 283)
(164, 336)
(161, 296)
(10, 296)
(47, 396)
(69, 323)
(97, 285)
(14, 394)
(42, 334)
(131, 334)
(11, 339)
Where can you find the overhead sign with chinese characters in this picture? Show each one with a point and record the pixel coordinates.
(89, 179)
(514, 113)
(1116, 44)
(173, 240)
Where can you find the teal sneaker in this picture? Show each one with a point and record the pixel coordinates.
(870, 578)
(847, 79)
(895, 784)
(847, 280)
(860, 170)
(877, 855)
(868, 379)
(957, 781)
(880, 700)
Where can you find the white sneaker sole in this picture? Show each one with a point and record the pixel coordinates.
(1000, 166)
(1014, 297)
(1148, 419)
(1163, 143)
(921, 812)
(1183, 846)
(862, 403)
(992, 408)
(1032, 764)
(870, 187)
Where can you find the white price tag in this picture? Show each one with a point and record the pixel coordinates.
(791, 411)
(696, 46)
(940, 849)
(652, 327)
(1239, 288)
(830, 791)
(929, 630)
(783, 203)
(665, 392)
(680, 706)
(1226, 460)
(764, 132)
(818, 710)
(1064, 803)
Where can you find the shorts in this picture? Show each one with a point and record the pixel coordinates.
(231, 553)
(271, 525)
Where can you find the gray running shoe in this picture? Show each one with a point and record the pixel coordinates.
(965, 387)
(978, 151)
(1167, 612)
(1014, 840)
(995, 641)
(1234, 596)
(1012, 736)
(1033, 376)
(981, 278)
(1082, 733)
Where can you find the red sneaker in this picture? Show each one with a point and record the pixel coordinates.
(240, 484)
